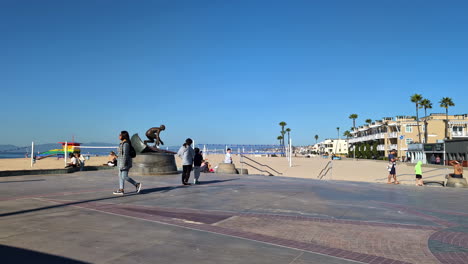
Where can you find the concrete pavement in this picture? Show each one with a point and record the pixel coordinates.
(75, 218)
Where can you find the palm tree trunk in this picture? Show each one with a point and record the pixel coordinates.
(446, 123)
(417, 122)
(425, 126)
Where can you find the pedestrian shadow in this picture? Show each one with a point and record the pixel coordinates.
(21, 181)
(21, 255)
(64, 205)
(216, 181)
(144, 191)
(170, 188)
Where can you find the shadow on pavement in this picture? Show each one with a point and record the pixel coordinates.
(20, 181)
(170, 188)
(20, 255)
(143, 191)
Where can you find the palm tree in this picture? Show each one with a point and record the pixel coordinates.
(417, 98)
(282, 124)
(347, 134)
(369, 121)
(353, 117)
(426, 104)
(446, 102)
(289, 131)
(316, 138)
(279, 138)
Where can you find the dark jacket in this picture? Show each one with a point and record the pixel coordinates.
(197, 160)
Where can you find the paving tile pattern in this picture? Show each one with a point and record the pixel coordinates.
(358, 222)
(351, 240)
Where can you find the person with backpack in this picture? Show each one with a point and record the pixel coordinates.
(126, 152)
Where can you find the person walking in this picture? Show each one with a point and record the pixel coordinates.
(186, 153)
(197, 161)
(392, 158)
(125, 163)
(418, 172)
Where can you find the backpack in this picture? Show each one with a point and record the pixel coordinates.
(132, 151)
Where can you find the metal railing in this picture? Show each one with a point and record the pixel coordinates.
(263, 166)
(328, 168)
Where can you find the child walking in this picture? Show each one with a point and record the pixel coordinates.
(197, 161)
(418, 172)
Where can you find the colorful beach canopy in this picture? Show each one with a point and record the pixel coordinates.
(72, 147)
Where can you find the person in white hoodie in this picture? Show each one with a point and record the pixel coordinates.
(186, 153)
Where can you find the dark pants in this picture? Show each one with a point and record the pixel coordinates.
(186, 169)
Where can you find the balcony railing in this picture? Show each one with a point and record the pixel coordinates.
(459, 134)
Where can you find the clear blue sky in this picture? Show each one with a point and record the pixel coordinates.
(223, 71)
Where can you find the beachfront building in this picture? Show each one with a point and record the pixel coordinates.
(333, 146)
(380, 136)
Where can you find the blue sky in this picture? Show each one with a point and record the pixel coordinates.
(223, 71)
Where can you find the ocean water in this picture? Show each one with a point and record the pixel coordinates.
(209, 149)
(12, 155)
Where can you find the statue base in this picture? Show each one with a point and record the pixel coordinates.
(456, 182)
(226, 168)
(153, 164)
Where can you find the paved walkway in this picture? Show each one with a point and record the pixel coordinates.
(74, 218)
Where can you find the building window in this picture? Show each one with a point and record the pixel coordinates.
(409, 141)
(409, 129)
(457, 130)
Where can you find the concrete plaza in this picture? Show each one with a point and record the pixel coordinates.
(75, 218)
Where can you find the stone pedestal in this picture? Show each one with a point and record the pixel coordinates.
(153, 164)
(226, 168)
(242, 171)
(456, 182)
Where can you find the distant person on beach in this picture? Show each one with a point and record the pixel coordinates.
(210, 168)
(457, 169)
(418, 172)
(197, 161)
(204, 166)
(73, 161)
(125, 163)
(228, 157)
(392, 159)
(111, 159)
(186, 153)
(81, 158)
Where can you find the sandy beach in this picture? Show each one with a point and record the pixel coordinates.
(302, 167)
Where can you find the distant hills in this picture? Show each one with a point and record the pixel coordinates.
(45, 147)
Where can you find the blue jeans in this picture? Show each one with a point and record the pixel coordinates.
(82, 166)
(123, 176)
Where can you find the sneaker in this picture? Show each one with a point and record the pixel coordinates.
(119, 192)
(138, 187)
